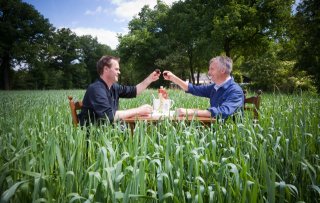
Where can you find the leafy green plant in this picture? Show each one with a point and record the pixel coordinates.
(44, 158)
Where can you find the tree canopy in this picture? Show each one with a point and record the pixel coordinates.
(35, 55)
(271, 45)
(23, 31)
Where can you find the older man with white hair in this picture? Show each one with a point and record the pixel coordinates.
(226, 96)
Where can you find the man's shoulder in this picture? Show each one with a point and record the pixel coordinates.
(96, 83)
(234, 87)
(96, 86)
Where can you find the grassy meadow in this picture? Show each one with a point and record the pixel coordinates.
(43, 158)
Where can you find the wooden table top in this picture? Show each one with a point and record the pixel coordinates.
(157, 118)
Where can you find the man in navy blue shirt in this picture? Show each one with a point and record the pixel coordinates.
(101, 100)
(226, 96)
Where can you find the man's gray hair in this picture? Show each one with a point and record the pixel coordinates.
(224, 62)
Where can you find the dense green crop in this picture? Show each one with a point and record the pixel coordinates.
(43, 158)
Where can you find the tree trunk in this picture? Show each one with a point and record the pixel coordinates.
(5, 68)
(190, 55)
(198, 76)
(227, 47)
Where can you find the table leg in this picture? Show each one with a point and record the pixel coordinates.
(132, 126)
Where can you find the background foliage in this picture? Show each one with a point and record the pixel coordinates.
(272, 45)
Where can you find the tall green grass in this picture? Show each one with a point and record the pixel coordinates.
(43, 158)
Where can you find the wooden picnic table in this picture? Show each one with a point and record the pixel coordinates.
(153, 119)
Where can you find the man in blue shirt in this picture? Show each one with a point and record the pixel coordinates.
(226, 96)
(101, 100)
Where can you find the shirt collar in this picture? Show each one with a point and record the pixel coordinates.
(105, 84)
(222, 84)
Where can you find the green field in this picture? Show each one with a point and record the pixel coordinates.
(45, 159)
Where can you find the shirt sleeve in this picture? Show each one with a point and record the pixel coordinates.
(232, 101)
(201, 90)
(127, 91)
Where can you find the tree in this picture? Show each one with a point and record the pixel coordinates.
(189, 33)
(144, 44)
(90, 52)
(22, 29)
(66, 57)
(247, 27)
(307, 35)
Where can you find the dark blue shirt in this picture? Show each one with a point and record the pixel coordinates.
(224, 101)
(101, 103)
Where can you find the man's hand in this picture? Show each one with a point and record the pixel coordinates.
(144, 110)
(154, 76)
(186, 112)
(168, 75)
(182, 111)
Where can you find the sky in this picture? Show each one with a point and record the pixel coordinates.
(103, 19)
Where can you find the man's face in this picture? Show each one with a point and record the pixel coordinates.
(214, 72)
(113, 72)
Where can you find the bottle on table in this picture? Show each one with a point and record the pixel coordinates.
(163, 95)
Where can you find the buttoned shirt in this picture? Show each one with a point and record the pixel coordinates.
(218, 86)
(224, 101)
(100, 102)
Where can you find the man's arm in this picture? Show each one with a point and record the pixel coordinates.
(173, 78)
(154, 76)
(193, 112)
(141, 110)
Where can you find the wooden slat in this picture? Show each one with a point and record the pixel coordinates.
(74, 107)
